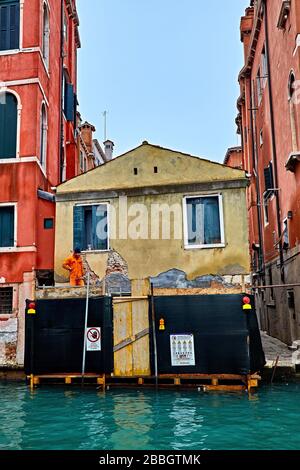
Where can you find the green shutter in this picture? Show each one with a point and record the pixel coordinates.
(78, 227)
(7, 219)
(9, 24)
(100, 238)
(8, 126)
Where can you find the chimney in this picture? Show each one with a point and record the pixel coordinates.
(108, 149)
(86, 130)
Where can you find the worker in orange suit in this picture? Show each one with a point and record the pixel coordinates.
(74, 265)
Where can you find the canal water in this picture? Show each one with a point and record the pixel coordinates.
(59, 418)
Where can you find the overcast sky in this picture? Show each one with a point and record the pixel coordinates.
(165, 70)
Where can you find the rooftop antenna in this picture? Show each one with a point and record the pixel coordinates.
(105, 113)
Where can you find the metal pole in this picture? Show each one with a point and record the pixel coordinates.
(85, 326)
(154, 336)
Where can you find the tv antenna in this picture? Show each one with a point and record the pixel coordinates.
(105, 113)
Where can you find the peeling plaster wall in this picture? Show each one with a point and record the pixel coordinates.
(149, 258)
(8, 342)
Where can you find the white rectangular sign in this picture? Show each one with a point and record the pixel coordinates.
(182, 350)
(93, 339)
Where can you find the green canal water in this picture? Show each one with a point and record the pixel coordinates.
(59, 418)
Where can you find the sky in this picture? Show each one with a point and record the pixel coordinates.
(164, 70)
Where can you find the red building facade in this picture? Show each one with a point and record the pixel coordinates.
(269, 124)
(38, 149)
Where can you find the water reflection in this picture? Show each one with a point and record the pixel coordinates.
(60, 418)
(12, 412)
(187, 424)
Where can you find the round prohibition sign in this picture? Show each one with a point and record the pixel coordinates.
(93, 335)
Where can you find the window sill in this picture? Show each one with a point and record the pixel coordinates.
(17, 249)
(10, 52)
(204, 247)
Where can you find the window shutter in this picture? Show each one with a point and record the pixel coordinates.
(212, 221)
(69, 102)
(8, 126)
(9, 25)
(78, 227)
(75, 111)
(14, 26)
(100, 238)
(7, 219)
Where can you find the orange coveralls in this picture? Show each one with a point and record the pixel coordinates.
(75, 266)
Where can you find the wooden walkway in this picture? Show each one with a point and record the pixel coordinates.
(204, 382)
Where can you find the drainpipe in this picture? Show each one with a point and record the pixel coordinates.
(61, 150)
(257, 183)
(275, 170)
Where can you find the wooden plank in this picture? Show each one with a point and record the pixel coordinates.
(225, 388)
(126, 300)
(205, 376)
(131, 340)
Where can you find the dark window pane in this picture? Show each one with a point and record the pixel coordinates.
(7, 218)
(48, 224)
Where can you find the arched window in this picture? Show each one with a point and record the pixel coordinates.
(293, 116)
(291, 90)
(46, 35)
(8, 125)
(44, 129)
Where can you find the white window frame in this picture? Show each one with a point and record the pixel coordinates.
(187, 246)
(107, 204)
(7, 249)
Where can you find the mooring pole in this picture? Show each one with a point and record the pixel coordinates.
(154, 336)
(85, 326)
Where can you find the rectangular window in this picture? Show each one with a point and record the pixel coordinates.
(271, 284)
(258, 87)
(69, 101)
(91, 227)
(285, 235)
(48, 224)
(261, 138)
(7, 226)
(6, 300)
(269, 180)
(264, 65)
(9, 25)
(204, 222)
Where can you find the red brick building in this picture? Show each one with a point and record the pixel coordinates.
(269, 124)
(38, 148)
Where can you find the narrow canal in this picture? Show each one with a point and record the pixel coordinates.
(57, 418)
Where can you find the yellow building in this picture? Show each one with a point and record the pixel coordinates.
(157, 213)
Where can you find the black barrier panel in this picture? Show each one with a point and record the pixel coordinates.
(55, 334)
(225, 338)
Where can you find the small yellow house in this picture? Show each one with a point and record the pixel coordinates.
(157, 213)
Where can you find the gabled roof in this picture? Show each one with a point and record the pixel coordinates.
(135, 169)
